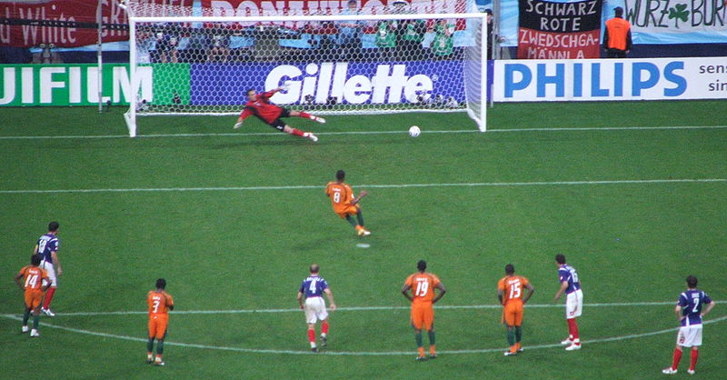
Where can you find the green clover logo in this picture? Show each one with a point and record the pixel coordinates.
(679, 12)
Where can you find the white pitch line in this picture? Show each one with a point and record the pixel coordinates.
(353, 308)
(354, 353)
(402, 132)
(385, 186)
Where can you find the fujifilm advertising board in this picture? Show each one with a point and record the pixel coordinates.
(610, 79)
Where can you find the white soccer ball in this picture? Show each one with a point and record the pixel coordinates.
(414, 131)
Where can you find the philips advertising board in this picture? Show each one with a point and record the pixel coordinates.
(610, 79)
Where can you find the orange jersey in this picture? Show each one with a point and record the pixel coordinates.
(512, 288)
(159, 302)
(341, 196)
(33, 278)
(422, 286)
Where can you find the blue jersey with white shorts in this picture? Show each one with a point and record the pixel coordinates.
(691, 303)
(569, 274)
(313, 286)
(46, 244)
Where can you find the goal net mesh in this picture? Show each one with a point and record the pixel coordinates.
(348, 58)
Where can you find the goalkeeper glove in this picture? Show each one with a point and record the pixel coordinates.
(237, 125)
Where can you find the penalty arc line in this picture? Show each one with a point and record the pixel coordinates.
(363, 353)
(384, 186)
(353, 308)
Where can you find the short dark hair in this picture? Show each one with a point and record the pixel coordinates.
(161, 283)
(422, 265)
(340, 175)
(692, 281)
(509, 269)
(249, 90)
(315, 268)
(618, 11)
(53, 226)
(35, 259)
(560, 258)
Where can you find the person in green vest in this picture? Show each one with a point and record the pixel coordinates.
(443, 44)
(386, 40)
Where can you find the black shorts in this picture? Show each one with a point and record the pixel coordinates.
(279, 124)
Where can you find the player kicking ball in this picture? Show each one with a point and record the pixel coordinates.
(259, 105)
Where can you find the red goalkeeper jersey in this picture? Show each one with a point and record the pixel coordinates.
(262, 108)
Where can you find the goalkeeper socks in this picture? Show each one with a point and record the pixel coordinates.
(297, 132)
(307, 115)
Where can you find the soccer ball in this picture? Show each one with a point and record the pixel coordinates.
(414, 131)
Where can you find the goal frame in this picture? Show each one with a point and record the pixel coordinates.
(478, 115)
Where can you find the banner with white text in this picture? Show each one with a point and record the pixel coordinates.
(550, 30)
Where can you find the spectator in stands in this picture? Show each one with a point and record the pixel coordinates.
(617, 39)
(386, 39)
(166, 47)
(349, 37)
(443, 43)
(219, 46)
(410, 34)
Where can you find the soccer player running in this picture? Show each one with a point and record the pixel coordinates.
(571, 286)
(34, 281)
(259, 105)
(419, 288)
(159, 303)
(310, 299)
(689, 311)
(512, 296)
(345, 204)
(47, 247)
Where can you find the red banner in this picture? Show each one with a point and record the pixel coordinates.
(327, 7)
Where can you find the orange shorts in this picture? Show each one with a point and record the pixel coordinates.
(33, 298)
(512, 314)
(347, 210)
(422, 316)
(158, 326)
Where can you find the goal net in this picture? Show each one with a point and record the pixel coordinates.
(359, 57)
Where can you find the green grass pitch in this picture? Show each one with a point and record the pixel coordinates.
(232, 219)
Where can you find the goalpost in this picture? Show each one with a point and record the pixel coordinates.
(374, 60)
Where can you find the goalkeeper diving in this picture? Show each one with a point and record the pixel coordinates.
(259, 105)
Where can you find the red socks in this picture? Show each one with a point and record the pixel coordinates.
(324, 327)
(573, 330)
(48, 297)
(693, 361)
(312, 336)
(297, 132)
(677, 358)
(306, 115)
